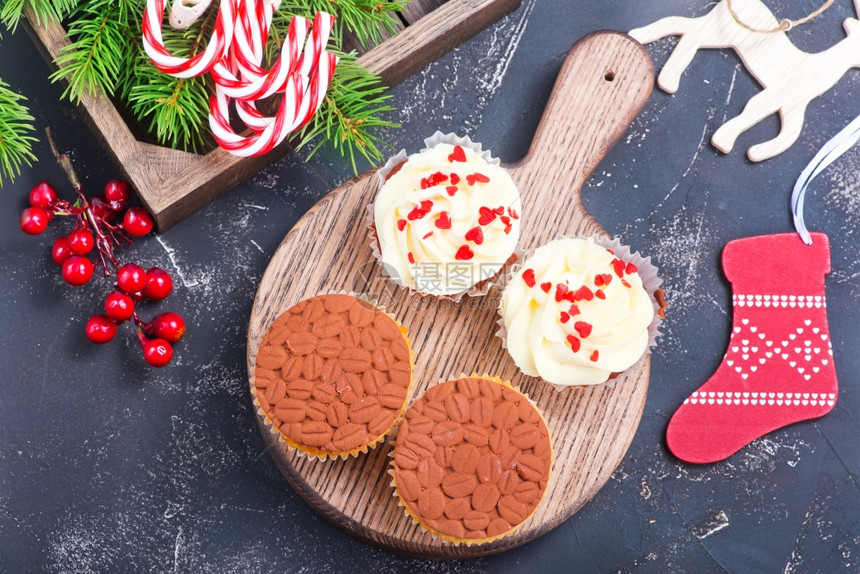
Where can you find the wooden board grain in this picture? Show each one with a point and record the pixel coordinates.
(603, 83)
(173, 184)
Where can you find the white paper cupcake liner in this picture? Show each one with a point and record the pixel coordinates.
(651, 282)
(478, 290)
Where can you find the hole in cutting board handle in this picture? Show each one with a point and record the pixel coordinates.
(609, 76)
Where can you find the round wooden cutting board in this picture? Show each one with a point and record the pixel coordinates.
(602, 85)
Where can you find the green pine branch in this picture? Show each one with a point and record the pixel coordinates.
(43, 11)
(352, 110)
(16, 147)
(98, 57)
(366, 20)
(176, 109)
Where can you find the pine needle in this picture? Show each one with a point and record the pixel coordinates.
(16, 147)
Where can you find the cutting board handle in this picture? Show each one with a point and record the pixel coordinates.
(609, 76)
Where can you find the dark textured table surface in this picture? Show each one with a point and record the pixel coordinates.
(107, 465)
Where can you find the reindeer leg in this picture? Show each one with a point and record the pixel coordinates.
(669, 26)
(791, 125)
(759, 107)
(682, 55)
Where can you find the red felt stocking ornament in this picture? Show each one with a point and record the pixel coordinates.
(778, 368)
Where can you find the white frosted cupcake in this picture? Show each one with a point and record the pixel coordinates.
(577, 313)
(447, 218)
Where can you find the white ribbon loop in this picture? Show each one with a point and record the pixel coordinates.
(830, 152)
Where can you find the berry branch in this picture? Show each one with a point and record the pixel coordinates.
(94, 228)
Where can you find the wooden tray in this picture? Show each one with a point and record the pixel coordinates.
(602, 85)
(173, 184)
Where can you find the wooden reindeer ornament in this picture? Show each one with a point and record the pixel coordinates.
(791, 78)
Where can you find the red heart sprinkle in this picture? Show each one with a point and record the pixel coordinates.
(455, 179)
(427, 236)
(452, 189)
(499, 210)
(487, 215)
(583, 328)
(529, 277)
(475, 234)
(401, 224)
(508, 229)
(564, 317)
(426, 205)
(477, 177)
(433, 179)
(464, 253)
(574, 310)
(416, 213)
(618, 265)
(575, 343)
(443, 222)
(600, 294)
(505, 219)
(560, 291)
(513, 213)
(411, 258)
(630, 268)
(584, 293)
(594, 356)
(546, 286)
(625, 283)
(457, 155)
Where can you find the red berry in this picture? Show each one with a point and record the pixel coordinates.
(81, 241)
(34, 220)
(168, 326)
(158, 284)
(131, 278)
(157, 352)
(119, 306)
(137, 221)
(117, 193)
(101, 209)
(43, 195)
(60, 252)
(77, 270)
(100, 329)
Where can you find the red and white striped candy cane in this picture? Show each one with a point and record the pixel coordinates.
(216, 50)
(234, 58)
(263, 84)
(303, 94)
